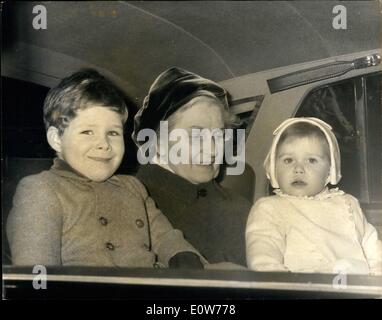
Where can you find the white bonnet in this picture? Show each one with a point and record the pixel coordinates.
(335, 158)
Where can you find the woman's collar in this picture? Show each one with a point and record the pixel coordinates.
(156, 160)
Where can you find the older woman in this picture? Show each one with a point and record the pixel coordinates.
(211, 217)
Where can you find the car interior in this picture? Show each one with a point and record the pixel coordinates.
(235, 43)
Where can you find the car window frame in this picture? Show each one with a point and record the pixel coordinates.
(361, 126)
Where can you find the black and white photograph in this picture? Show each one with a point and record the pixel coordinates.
(214, 151)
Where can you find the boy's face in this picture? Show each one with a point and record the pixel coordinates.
(302, 166)
(93, 143)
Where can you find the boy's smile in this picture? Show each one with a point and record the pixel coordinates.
(93, 143)
(302, 166)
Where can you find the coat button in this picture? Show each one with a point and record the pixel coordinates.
(110, 246)
(139, 223)
(103, 221)
(202, 193)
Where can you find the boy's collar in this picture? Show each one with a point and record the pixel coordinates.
(63, 169)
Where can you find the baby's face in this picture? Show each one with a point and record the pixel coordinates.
(302, 166)
(93, 143)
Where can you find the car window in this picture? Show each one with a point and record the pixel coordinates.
(353, 109)
(23, 126)
(374, 136)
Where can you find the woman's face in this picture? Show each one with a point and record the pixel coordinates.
(203, 113)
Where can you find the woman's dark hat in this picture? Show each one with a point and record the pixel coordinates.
(171, 90)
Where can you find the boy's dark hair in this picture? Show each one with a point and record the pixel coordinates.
(76, 92)
(304, 129)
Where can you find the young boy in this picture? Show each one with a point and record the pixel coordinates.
(78, 212)
(306, 227)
